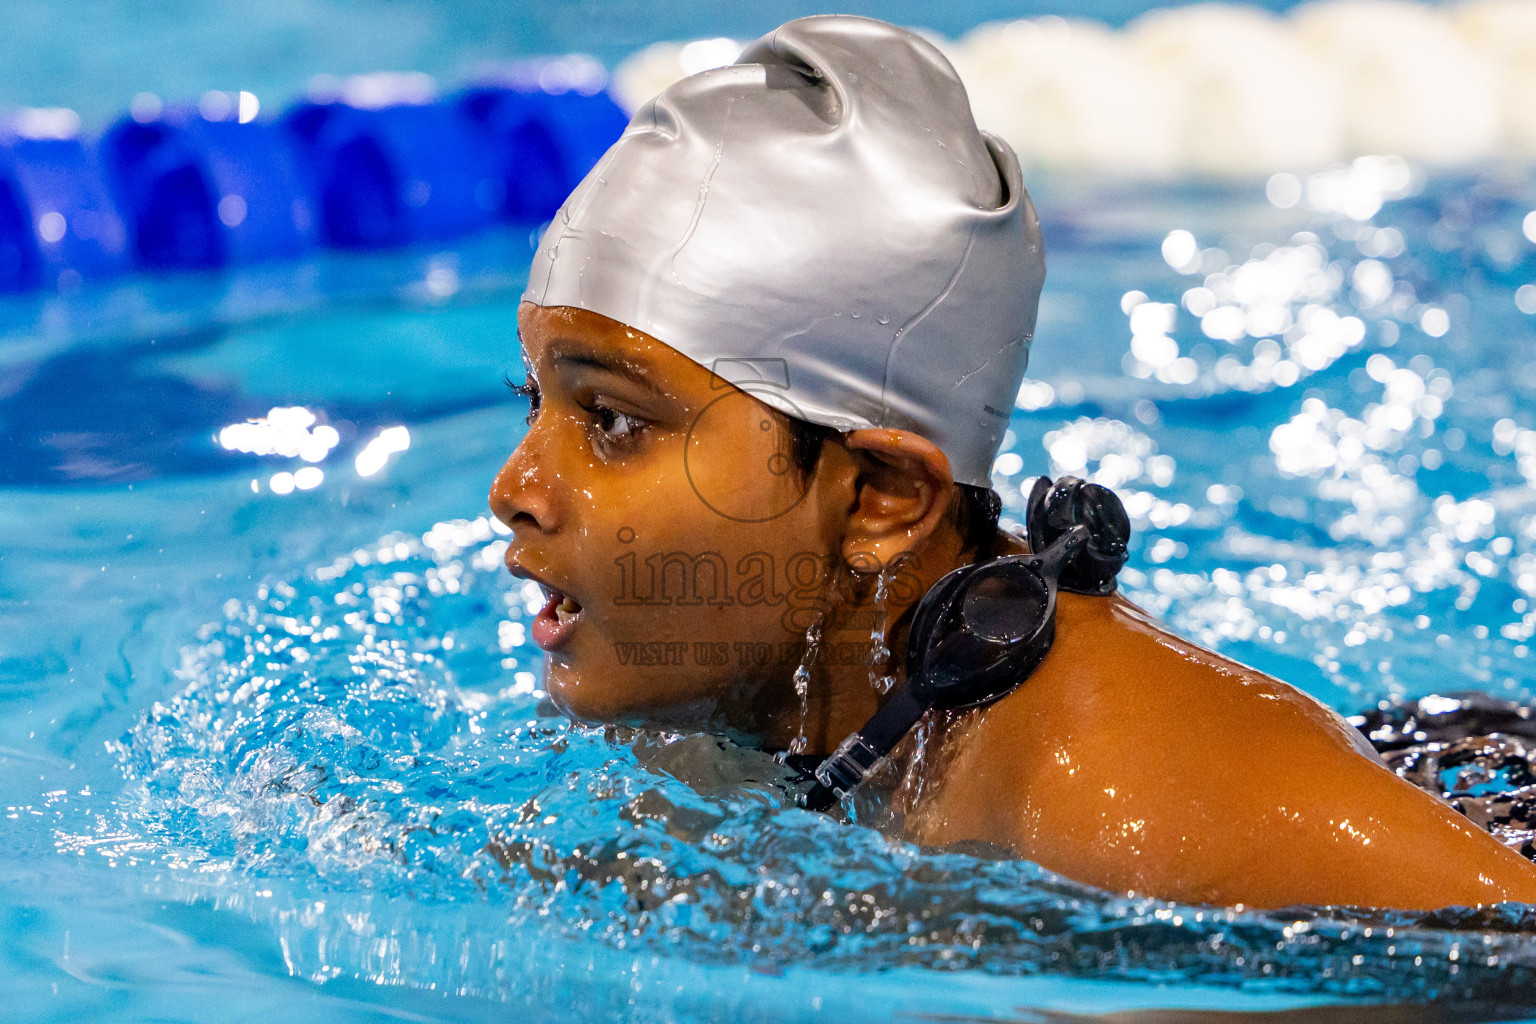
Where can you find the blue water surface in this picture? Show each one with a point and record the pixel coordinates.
(268, 753)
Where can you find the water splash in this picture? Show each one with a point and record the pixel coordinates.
(333, 764)
(1476, 752)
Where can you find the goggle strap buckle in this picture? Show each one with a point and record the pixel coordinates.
(847, 765)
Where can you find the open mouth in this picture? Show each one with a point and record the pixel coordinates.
(553, 626)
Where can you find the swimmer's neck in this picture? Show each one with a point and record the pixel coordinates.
(844, 692)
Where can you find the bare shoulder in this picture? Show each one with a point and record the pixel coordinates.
(1136, 760)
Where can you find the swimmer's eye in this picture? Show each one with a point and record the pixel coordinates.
(615, 425)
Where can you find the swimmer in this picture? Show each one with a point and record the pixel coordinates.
(772, 343)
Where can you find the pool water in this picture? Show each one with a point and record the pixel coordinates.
(270, 726)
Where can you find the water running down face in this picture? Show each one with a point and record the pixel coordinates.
(685, 559)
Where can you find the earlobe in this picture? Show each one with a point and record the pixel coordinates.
(904, 492)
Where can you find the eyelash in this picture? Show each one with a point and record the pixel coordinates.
(602, 413)
(528, 391)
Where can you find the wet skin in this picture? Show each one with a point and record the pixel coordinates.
(1138, 761)
(1131, 760)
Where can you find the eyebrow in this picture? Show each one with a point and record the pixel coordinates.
(598, 361)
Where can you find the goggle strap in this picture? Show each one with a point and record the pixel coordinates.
(860, 752)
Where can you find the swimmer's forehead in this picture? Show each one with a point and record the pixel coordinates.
(574, 342)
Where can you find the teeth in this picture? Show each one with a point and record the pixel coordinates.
(566, 609)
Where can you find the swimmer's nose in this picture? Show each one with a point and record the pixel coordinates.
(520, 495)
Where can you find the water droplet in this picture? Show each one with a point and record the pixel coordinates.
(880, 677)
(882, 320)
(803, 684)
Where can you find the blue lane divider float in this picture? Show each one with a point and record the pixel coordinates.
(544, 142)
(402, 173)
(202, 188)
(58, 224)
(214, 185)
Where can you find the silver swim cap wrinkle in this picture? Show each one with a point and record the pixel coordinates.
(826, 203)
(917, 318)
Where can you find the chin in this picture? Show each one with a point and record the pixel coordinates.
(609, 698)
(576, 700)
(590, 698)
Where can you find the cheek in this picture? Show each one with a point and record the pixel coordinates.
(702, 571)
(685, 613)
(738, 463)
(614, 508)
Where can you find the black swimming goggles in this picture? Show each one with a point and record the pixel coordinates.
(980, 632)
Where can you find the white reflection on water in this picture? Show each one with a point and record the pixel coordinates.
(375, 454)
(1285, 292)
(289, 431)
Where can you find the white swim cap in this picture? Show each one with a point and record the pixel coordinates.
(822, 224)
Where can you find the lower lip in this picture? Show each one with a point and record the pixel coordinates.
(547, 630)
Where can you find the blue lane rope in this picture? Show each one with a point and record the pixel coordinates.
(183, 190)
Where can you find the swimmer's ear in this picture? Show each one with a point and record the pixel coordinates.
(904, 493)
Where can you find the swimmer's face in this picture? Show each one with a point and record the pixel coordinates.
(680, 550)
